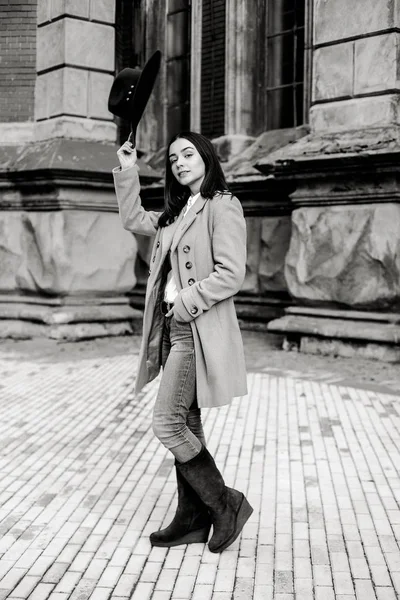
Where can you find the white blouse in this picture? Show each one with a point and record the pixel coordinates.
(171, 290)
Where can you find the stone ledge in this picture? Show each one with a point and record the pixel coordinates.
(73, 332)
(315, 334)
(347, 329)
(67, 318)
(68, 314)
(346, 349)
(70, 158)
(321, 148)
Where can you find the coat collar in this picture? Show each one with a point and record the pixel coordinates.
(187, 220)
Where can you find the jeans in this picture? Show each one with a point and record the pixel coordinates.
(176, 417)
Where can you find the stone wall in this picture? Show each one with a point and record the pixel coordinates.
(355, 66)
(348, 256)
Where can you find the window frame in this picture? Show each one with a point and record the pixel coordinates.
(307, 67)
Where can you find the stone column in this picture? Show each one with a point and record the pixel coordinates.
(245, 68)
(75, 69)
(343, 266)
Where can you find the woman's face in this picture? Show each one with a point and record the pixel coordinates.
(186, 164)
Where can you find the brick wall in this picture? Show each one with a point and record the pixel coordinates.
(17, 59)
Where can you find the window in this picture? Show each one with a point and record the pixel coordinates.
(213, 68)
(285, 92)
(178, 66)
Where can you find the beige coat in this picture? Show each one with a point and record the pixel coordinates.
(208, 258)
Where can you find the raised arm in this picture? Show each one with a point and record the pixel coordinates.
(133, 216)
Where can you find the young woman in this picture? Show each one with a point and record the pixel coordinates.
(190, 328)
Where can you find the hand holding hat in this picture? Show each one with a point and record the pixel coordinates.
(127, 155)
(131, 91)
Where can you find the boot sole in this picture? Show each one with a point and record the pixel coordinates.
(200, 536)
(243, 515)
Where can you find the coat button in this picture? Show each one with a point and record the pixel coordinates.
(191, 281)
(158, 244)
(188, 265)
(194, 310)
(149, 271)
(186, 249)
(154, 258)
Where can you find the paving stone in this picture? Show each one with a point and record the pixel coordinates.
(84, 482)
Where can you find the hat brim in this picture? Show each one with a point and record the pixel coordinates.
(131, 107)
(144, 88)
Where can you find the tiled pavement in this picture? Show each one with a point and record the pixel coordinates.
(84, 482)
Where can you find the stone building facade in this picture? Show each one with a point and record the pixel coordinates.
(301, 99)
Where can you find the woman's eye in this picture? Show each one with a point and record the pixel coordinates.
(188, 155)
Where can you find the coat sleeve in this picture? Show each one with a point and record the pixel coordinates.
(229, 252)
(133, 216)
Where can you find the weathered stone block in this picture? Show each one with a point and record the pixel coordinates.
(267, 244)
(275, 239)
(90, 45)
(42, 11)
(80, 43)
(99, 89)
(66, 253)
(50, 45)
(11, 235)
(339, 19)
(63, 91)
(41, 97)
(377, 63)
(76, 128)
(103, 10)
(75, 92)
(333, 71)
(251, 282)
(356, 113)
(50, 9)
(338, 254)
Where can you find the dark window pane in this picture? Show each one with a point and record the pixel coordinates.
(175, 5)
(178, 83)
(178, 119)
(177, 34)
(282, 108)
(299, 104)
(300, 10)
(280, 17)
(280, 60)
(300, 55)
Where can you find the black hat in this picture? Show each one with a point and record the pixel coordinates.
(131, 90)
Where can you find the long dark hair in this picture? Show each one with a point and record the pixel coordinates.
(175, 194)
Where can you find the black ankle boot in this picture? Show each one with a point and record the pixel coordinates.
(228, 508)
(191, 523)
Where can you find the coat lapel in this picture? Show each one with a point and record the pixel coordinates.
(168, 234)
(187, 220)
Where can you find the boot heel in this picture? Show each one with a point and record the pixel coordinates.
(200, 536)
(243, 514)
